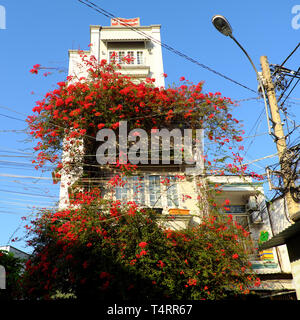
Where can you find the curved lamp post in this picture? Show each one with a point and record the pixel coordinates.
(224, 27)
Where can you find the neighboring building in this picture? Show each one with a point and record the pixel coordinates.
(180, 201)
(249, 208)
(285, 240)
(280, 220)
(16, 252)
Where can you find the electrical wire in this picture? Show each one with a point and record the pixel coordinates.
(288, 85)
(290, 91)
(28, 194)
(290, 55)
(257, 124)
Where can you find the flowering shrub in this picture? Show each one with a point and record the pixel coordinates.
(104, 250)
(78, 108)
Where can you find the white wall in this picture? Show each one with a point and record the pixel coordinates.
(280, 221)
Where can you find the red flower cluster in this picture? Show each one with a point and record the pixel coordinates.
(78, 108)
(35, 69)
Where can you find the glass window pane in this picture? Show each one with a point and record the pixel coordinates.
(172, 194)
(122, 191)
(121, 55)
(154, 191)
(243, 221)
(139, 58)
(235, 208)
(112, 56)
(138, 189)
(131, 55)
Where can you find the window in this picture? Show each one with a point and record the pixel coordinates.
(148, 190)
(236, 208)
(239, 214)
(117, 56)
(241, 217)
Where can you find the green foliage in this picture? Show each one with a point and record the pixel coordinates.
(13, 268)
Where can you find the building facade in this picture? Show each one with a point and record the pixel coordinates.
(142, 43)
(180, 201)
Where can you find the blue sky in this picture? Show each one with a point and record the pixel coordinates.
(43, 32)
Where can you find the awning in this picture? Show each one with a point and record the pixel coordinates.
(282, 237)
(113, 36)
(125, 39)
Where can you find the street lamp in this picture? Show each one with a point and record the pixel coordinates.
(224, 27)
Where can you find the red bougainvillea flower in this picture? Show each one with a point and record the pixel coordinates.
(143, 252)
(192, 282)
(235, 256)
(143, 244)
(35, 69)
(160, 264)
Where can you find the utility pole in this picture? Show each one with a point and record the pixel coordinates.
(293, 207)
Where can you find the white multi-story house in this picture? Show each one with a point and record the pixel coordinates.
(116, 41)
(180, 201)
(142, 43)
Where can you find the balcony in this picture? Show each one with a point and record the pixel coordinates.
(136, 71)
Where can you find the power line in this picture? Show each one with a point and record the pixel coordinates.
(10, 212)
(257, 124)
(290, 82)
(263, 158)
(290, 55)
(10, 117)
(13, 151)
(12, 130)
(27, 193)
(290, 91)
(8, 175)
